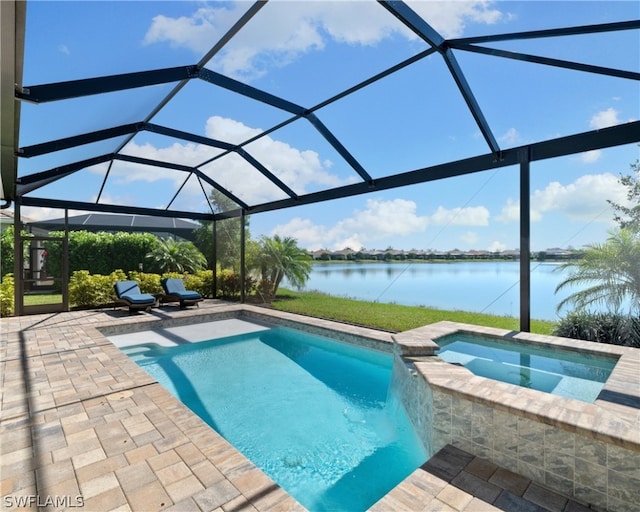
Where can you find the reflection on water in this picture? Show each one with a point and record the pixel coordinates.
(488, 287)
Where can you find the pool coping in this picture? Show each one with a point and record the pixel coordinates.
(80, 417)
(605, 420)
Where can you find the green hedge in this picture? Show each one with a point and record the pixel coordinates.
(100, 253)
(611, 328)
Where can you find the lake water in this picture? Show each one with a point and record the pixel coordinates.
(489, 287)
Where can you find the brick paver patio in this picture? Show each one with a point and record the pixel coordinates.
(84, 428)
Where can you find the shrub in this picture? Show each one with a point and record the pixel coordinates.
(201, 282)
(611, 328)
(230, 283)
(91, 290)
(149, 283)
(7, 299)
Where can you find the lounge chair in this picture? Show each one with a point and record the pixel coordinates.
(174, 291)
(128, 294)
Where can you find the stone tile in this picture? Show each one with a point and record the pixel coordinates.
(478, 505)
(207, 473)
(476, 486)
(447, 463)
(454, 497)
(512, 503)
(510, 481)
(216, 495)
(54, 473)
(99, 485)
(162, 460)
(100, 468)
(179, 490)
(239, 504)
(151, 496)
(426, 483)
(574, 506)
(481, 468)
(140, 454)
(546, 498)
(135, 475)
(186, 505)
(173, 473)
(406, 496)
(86, 458)
(136, 421)
(436, 505)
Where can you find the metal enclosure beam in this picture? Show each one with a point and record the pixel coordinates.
(61, 204)
(598, 139)
(90, 86)
(12, 26)
(426, 32)
(525, 241)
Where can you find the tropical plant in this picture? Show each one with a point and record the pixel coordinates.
(280, 258)
(611, 328)
(628, 217)
(610, 271)
(171, 256)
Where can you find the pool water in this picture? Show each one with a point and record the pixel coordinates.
(572, 374)
(316, 415)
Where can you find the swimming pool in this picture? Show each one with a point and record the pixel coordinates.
(572, 374)
(316, 415)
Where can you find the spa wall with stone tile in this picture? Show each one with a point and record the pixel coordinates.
(592, 471)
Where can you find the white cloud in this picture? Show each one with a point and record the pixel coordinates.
(496, 246)
(378, 220)
(197, 32)
(282, 31)
(300, 169)
(511, 137)
(604, 119)
(385, 218)
(189, 154)
(590, 157)
(584, 199)
(63, 48)
(511, 212)
(309, 235)
(450, 18)
(468, 216)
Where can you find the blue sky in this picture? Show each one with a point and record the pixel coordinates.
(307, 52)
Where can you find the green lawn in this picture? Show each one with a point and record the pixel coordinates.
(38, 299)
(390, 317)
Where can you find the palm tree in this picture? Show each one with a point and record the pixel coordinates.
(280, 258)
(171, 256)
(611, 270)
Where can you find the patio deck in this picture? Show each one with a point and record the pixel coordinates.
(82, 427)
